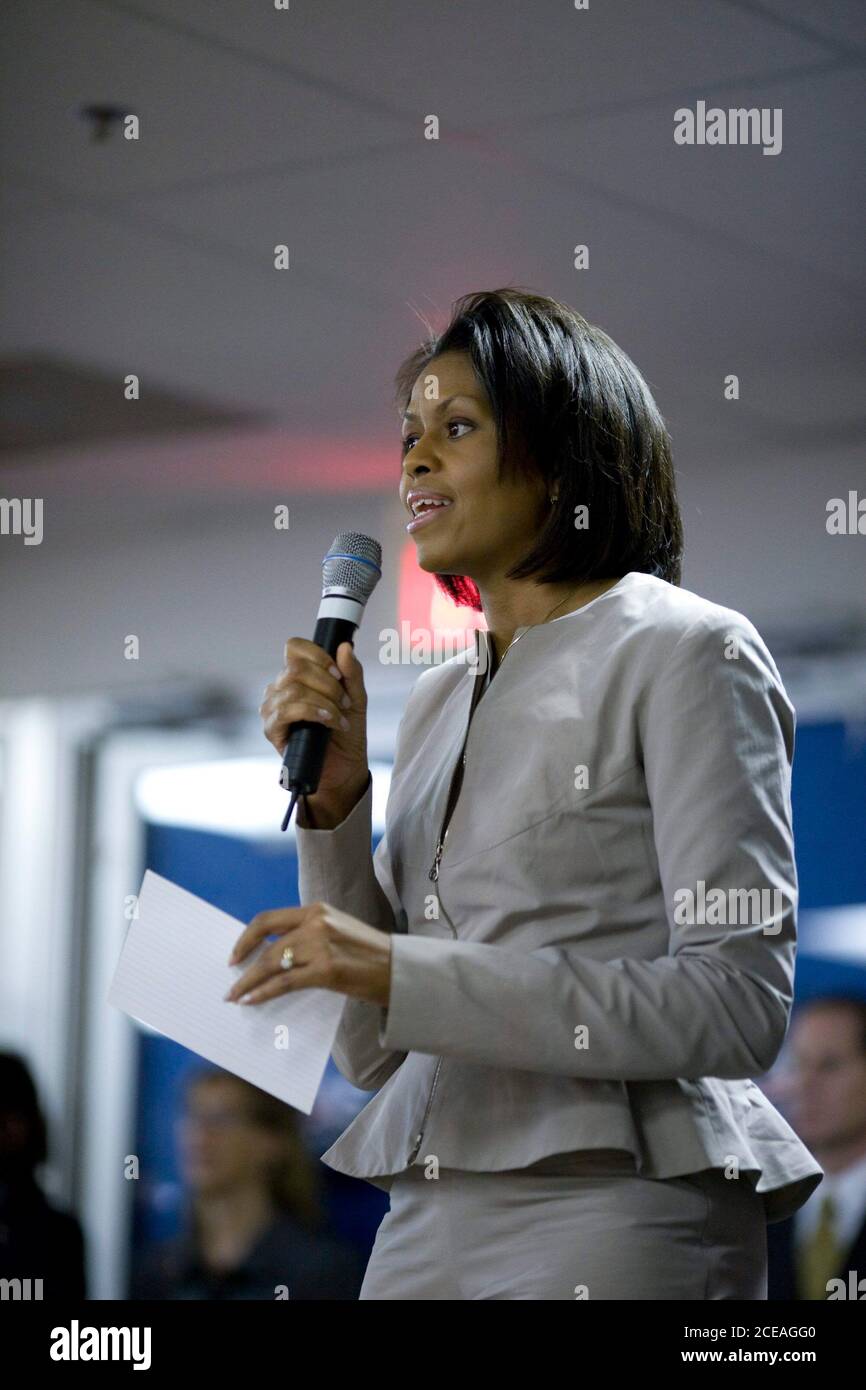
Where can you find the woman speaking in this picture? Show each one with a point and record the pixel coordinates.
(575, 943)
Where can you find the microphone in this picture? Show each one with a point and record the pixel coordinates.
(350, 572)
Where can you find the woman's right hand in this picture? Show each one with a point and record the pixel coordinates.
(307, 688)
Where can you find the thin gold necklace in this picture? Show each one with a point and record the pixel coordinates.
(516, 639)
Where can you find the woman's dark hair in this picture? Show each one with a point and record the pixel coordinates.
(572, 408)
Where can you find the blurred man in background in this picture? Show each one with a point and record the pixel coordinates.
(826, 1238)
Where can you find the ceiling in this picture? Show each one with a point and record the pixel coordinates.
(305, 126)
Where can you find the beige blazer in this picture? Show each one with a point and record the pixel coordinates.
(607, 955)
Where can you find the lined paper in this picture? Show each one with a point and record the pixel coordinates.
(173, 973)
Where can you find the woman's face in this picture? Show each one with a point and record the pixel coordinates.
(449, 447)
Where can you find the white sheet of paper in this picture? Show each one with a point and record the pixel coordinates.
(173, 972)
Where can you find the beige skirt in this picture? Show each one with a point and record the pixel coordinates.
(598, 1232)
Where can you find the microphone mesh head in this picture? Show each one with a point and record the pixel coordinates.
(352, 565)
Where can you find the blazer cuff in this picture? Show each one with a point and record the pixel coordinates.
(329, 860)
(409, 1023)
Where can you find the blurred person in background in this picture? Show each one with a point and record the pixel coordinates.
(825, 1238)
(38, 1241)
(253, 1222)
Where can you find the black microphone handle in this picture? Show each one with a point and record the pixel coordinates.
(308, 740)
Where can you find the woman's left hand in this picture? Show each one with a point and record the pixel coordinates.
(331, 951)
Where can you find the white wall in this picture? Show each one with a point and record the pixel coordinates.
(211, 594)
(212, 591)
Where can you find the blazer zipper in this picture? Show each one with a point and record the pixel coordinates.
(419, 1137)
(454, 787)
(433, 875)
